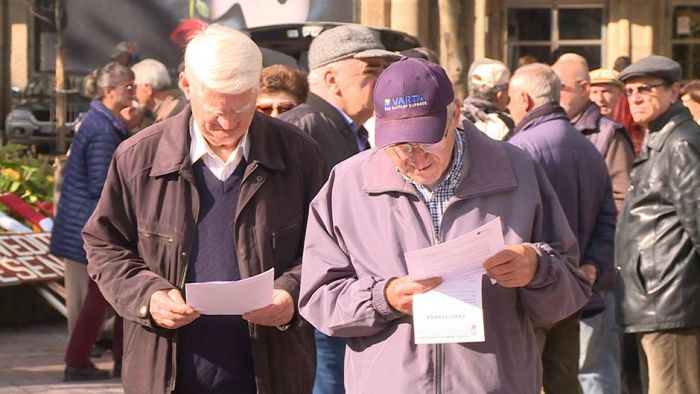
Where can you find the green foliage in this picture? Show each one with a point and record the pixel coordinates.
(28, 177)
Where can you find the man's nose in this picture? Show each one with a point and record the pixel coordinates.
(226, 121)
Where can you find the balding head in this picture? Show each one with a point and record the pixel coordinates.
(531, 86)
(572, 70)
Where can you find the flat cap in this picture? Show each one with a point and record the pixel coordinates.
(605, 75)
(653, 66)
(344, 42)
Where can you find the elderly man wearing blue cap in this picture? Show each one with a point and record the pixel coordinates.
(657, 247)
(431, 180)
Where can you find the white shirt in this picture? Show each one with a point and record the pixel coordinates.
(200, 149)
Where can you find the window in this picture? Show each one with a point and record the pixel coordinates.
(685, 39)
(546, 33)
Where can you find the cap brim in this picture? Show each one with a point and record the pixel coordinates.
(427, 129)
(377, 53)
(609, 82)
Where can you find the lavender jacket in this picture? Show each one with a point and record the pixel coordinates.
(364, 219)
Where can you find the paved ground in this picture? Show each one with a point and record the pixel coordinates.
(31, 361)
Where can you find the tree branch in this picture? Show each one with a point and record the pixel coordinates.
(36, 13)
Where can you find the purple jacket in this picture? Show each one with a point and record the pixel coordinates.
(363, 220)
(579, 176)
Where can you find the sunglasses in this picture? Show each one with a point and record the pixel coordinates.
(268, 109)
(643, 90)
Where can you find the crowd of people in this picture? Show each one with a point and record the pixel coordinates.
(330, 177)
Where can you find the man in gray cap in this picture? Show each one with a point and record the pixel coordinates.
(488, 98)
(658, 239)
(344, 64)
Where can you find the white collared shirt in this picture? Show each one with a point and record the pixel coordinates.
(200, 149)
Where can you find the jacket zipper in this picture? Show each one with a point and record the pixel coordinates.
(438, 347)
(181, 286)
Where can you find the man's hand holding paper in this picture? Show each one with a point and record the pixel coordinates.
(514, 266)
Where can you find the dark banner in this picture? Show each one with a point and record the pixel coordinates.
(25, 258)
(94, 27)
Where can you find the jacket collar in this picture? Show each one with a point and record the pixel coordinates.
(660, 128)
(486, 162)
(332, 113)
(172, 153)
(543, 113)
(588, 122)
(116, 122)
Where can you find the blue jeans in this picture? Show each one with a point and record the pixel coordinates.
(599, 358)
(330, 359)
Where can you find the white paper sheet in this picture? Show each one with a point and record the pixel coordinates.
(452, 312)
(231, 298)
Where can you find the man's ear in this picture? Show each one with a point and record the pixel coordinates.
(184, 85)
(331, 80)
(586, 87)
(527, 99)
(458, 110)
(676, 92)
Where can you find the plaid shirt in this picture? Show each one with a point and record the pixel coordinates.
(437, 198)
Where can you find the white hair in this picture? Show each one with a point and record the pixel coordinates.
(223, 60)
(538, 81)
(580, 62)
(151, 72)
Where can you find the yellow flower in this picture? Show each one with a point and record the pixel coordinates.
(12, 174)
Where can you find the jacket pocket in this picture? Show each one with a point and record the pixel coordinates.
(646, 271)
(285, 242)
(156, 247)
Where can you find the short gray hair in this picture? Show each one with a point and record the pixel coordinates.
(151, 72)
(539, 81)
(224, 60)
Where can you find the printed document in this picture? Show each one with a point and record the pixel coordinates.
(231, 298)
(452, 312)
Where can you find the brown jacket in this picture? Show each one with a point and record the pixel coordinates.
(138, 241)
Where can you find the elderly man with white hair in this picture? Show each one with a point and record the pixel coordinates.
(219, 192)
(581, 181)
(154, 93)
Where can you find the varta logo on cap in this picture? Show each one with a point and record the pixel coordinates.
(403, 102)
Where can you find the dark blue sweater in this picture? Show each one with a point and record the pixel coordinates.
(90, 154)
(214, 353)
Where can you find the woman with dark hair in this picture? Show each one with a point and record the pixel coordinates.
(101, 131)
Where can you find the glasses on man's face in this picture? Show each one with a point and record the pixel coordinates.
(643, 90)
(404, 151)
(572, 88)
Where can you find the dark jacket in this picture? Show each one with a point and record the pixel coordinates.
(579, 176)
(92, 149)
(658, 238)
(327, 126)
(612, 142)
(139, 239)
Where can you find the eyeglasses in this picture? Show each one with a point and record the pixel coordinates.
(270, 108)
(128, 87)
(404, 151)
(565, 88)
(643, 90)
